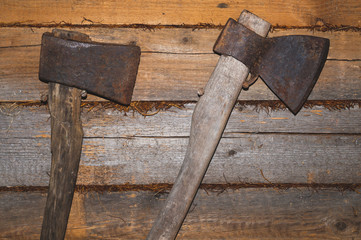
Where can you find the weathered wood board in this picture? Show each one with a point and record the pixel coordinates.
(171, 12)
(318, 145)
(233, 214)
(185, 62)
(177, 40)
(18, 121)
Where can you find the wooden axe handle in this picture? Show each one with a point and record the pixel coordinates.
(66, 143)
(209, 119)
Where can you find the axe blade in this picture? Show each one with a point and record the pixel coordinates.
(106, 70)
(291, 67)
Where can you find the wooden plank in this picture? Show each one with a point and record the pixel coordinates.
(101, 122)
(185, 61)
(175, 77)
(283, 158)
(281, 12)
(233, 214)
(178, 40)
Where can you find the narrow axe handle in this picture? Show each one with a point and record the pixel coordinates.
(66, 143)
(209, 119)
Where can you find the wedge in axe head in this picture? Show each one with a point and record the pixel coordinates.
(289, 65)
(70, 61)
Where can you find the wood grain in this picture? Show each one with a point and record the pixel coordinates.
(232, 214)
(185, 63)
(175, 77)
(283, 158)
(177, 40)
(116, 144)
(99, 122)
(66, 145)
(165, 12)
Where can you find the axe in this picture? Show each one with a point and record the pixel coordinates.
(70, 61)
(290, 67)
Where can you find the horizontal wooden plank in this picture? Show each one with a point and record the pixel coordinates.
(174, 77)
(281, 12)
(17, 121)
(344, 44)
(232, 214)
(185, 63)
(254, 158)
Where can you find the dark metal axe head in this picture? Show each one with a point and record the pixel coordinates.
(106, 70)
(289, 65)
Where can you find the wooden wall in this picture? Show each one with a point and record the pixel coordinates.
(274, 175)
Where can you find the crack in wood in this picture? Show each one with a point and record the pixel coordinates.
(144, 107)
(164, 188)
(324, 27)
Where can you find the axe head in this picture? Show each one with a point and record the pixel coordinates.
(289, 65)
(106, 70)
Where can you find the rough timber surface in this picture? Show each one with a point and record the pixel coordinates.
(231, 214)
(166, 12)
(185, 63)
(282, 158)
(317, 145)
(175, 77)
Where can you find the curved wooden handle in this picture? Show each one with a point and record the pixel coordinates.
(208, 122)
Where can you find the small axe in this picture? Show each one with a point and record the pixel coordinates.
(290, 67)
(69, 62)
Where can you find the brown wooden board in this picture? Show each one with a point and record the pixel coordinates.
(185, 62)
(281, 12)
(232, 214)
(174, 77)
(177, 40)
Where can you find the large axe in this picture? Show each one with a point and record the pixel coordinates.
(289, 65)
(69, 62)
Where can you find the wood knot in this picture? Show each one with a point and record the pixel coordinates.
(341, 226)
(222, 5)
(231, 153)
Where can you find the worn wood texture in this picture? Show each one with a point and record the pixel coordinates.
(317, 145)
(209, 120)
(177, 40)
(66, 145)
(231, 214)
(283, 158)
(18, 121)
(185, 62)
(281, 12)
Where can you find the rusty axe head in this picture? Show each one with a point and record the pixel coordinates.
(289, 65)
(106, 70)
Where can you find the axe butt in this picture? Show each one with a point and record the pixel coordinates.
(209, 120)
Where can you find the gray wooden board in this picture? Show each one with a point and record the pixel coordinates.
(233, 214)
(184, 64)
(34, 122)
(240, 157)
(137, 149)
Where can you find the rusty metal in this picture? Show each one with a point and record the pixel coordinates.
(106, 70)
(289, 65)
